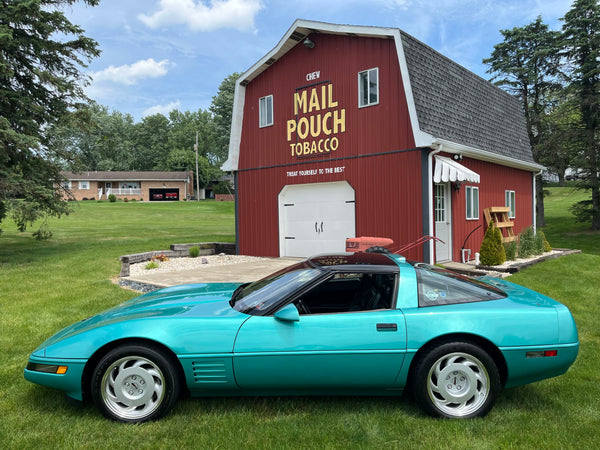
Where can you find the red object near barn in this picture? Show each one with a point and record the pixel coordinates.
(343, 131)
(360, 244)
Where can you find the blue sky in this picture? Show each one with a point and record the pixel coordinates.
(159, 55)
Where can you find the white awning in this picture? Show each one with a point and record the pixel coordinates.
(447, 169)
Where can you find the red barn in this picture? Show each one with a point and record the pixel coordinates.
(344, 131)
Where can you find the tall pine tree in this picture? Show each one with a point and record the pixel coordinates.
(581, 44)
(526, 65)
(41, 53)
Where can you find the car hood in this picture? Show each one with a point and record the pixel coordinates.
(207, 300)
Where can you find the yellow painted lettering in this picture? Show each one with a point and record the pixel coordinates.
(300, 102)
(306, 149)
(315, 125)
(314, 101)
(339, 121)
(326, 129)
(334, 144)
(291, 127)
(330, 101)
(303, 128)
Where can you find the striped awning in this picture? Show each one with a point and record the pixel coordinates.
(447, 169)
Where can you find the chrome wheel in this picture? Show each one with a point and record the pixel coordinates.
(458, 384)
(133, 387)
(136, 383)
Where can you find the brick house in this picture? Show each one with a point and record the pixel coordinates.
(146, 186)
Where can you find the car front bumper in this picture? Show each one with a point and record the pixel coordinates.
(65, 374)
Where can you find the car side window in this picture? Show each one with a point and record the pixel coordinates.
(349, 292)
(443, 287)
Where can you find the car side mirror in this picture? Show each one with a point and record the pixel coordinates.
(289, 313)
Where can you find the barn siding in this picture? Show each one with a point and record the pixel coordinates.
(495, 180)
(387, 184)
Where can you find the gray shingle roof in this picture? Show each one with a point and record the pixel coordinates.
(124, 176)
(454, 104)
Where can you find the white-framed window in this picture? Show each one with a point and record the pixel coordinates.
(472, 207)
(84, 185)
(67, 185)
(265, 111)
(368, 87)
(510, 203)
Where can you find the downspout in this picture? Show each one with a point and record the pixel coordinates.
(534, 212)
(430, 199)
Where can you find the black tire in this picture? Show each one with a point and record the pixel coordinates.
(456, 380)
(135, 384)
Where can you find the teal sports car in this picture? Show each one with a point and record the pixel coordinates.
(347, 324)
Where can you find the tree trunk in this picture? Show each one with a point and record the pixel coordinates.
(539, 207)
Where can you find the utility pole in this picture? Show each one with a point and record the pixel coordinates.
(197, 179)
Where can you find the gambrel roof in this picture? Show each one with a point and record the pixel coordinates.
(449, 106)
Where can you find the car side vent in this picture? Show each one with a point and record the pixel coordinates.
(210, 372)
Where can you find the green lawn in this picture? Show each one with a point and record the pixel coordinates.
(47, 285)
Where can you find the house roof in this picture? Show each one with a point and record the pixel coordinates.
(127, 176)
(449, 106)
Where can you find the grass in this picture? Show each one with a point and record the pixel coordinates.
(47, 285)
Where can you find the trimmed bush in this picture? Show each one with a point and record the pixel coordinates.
(112, 198)
(492, 251)
(541, 244)
(194, 251)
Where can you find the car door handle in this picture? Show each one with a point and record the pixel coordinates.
(387, 327)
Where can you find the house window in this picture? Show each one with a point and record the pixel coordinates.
(510, 203)
(472, 193)
(84, 185)
(265, 111)
(368, 88)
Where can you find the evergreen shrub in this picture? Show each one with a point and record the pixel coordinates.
(492, 251)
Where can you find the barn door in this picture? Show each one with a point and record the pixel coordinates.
(443, 222)
(315, 218)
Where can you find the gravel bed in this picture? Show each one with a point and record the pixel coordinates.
(177, 264)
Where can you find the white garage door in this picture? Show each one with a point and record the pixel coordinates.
(315, 218)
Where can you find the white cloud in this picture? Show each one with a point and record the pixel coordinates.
(130, 74)
(198, 16)
(162, 109)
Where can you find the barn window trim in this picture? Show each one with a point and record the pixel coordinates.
(368, 87)
(472, 202)
(510, 203)
(265, 111)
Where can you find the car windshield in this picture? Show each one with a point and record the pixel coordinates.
(257, 297)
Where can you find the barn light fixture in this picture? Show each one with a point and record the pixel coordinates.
(458, 157)
(308, 43)
(457, 185)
